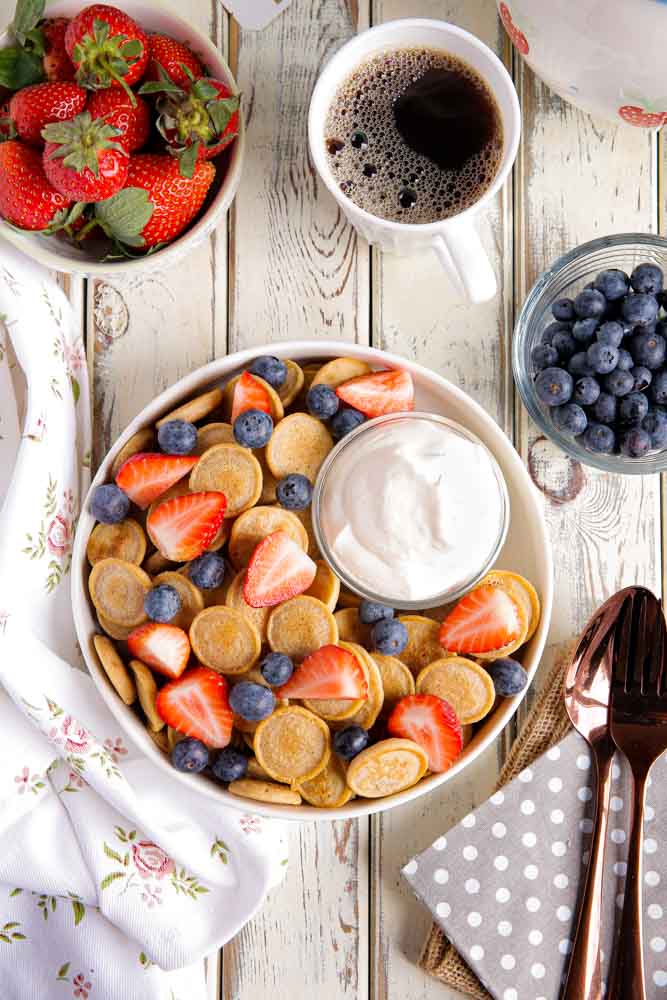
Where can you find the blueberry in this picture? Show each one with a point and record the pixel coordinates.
(276, 669)
(272, 370)
(550, 331)
(253, 429)
(563, 309)
(162, 603)
(508, 677)
(619, 383)
(251, 701)
(109, 504)
(610, 333)
(389, 636)
(599, 438)
(543, 356)
(636, 442)
(565, 344)
(612, 283)
(208, 571)
(633, 408)
(350, 741)
(345, 421)
(189, 754)
(647, 278)
(604, 408)
(294, 492)
(177, 437)
(648, 349)
(642, 377)
(569, 418)
(640, 309)
(590, 303)
(584, 331)
(554, 386)
(625, 361)
(230, 765)
(579, 365)
(322, 401)
(586, 391)
(371, 612)
(655, 423)
(658, 388)
(602, 357)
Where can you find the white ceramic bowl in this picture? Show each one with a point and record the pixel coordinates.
(527, 551)
(152, 15)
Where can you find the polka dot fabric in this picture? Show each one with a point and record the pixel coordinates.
(503, 884)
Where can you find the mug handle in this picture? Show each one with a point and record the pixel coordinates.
(461, 254)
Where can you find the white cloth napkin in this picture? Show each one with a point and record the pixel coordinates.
(115, 881)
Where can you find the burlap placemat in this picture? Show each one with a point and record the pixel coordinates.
(547, 724)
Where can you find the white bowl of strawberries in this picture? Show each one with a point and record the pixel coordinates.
(122, 137)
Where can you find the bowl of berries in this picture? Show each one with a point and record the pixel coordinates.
(122, 135)
(590, 354)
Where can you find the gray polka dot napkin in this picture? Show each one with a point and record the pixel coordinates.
(503, 884)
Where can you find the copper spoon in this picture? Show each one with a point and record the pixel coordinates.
(587, 692)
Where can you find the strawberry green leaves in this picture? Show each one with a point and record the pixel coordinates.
(27, 16)
(19, 68)
(124, 215)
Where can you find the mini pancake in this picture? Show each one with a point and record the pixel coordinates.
(115, 669)
(251, 527)
(215, 433)
(255, 770)
(350, 628)
(325, 587)
(192, 598)
(218, 595)
(174, 737)
(340, 370)
(463, 683)
(269, 481)
(231, 470)
(292, 745)
(309, 373)
(299, 443)
(368, 714)
(224, 640)
(466, 735)
(423, 646)
(117, 589)
(147, 691)
(523, 593)
(159, 738)
(292, 385)
(118, 632)
(143, 440)
(328, 789)
(346, 599)
(306, 518)
(125, 540)
(342, 709)
(387, 767)
(195, 409)
(157, 563)
(300, 626)
(275, 402)
(264, 791)
(397, 679)
(255, 677)
(234, 599)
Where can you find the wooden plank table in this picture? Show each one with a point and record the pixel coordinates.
(287, 266)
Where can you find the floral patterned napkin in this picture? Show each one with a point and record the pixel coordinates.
(111, 872)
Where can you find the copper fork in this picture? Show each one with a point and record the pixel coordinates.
(638, 725)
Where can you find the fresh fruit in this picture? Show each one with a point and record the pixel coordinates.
(174, 58)
(610, 333)
(278, 570)
(109, 504)
(107, 48)
(640, 309)
(487, 618)
(208, 571)
(633, 408)
(272, 370)
(165, 648)
(625, 361)
(27, 198)
(177, 437)
(189, 754)
(655, 423)
(569, 418)
(517, 37)
(162, 603)
(641, 116)
(647, 278)
(56, 63)
(602, 358)
(196, 704)
(605, 408)
(371, 612)
(636, 442)
(183, 527)
(543, 356)
(564, 344)
(599, 438)
(642, 376)
(658, 388)
(554, 386)
(249, 394)
(345, 421)
(584, 330)
(322, 401)
(43, 103)
(590, 304)
(328, 673)
(7, 128)
(389, 636)
(253, 428)
(145, 476)
(276, 669)
(252, 702)
(563, 309)
(648, 349)
(83, 158)
(578, 365)
(294, 492)
(612, 283)
(130, 117)
(390, 391)
(618, 383)
(508, 676)
(432, 723)
(229, 765)
(586, 391)
(350, 741)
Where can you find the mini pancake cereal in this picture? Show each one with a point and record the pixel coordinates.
(117, 589)
(232, 470)
(337, 710)
(292, 745)
(423, 645)
(387, 767)
(225, 640)
(275, 403)
(299, 443)
(192, 598)
(210, 434)
(234, 599)
(264, 791)
(397, 679)
(196, 409)
(350, 628)
(125, 541)
(300, 626)
(147, 691)
(292, 385)
(325, 587)
(522, 591)
(371, 707)
(115, 669)
(463, 683)
(141, 441)
(118, 632)
(307, 521)
(255, 524)
(329, 788)
(340, 370)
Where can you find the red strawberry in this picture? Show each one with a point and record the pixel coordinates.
(278, 570)
(34, 107)
(329, 672)
(517, 37)
(7, 127)
(57, 64)
(184, 527)
(196, 704)
(171, 56)
(166, 648)
(380, 392)
(131, 119)
(107, 47)
(642, 118)
(485, 619)
(249, 394)
(26, 197)
(432, 723)
(83, 159)
(146, 475)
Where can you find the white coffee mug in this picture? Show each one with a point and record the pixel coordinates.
(454, 239)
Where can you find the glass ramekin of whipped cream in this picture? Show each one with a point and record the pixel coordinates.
(411, 510)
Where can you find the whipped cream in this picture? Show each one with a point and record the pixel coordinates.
(412, 509)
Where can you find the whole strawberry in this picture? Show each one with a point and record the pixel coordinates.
(36, 106)
(132, 120)
(27, 199)
(56, 63)
(174, 58)
(107, 47)
(84, 159)
(7, 127)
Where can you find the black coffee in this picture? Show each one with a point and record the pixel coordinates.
(414, 135)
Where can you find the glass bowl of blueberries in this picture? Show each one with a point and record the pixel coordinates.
(590, 353)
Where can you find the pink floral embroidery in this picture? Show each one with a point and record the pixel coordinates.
(69, 501)
(115, 748)
(82, 986)
(152, 896)
(75, 779)
(26, 781)
(71, 735)
(59, 536)
(150, 860)
(250, 824)
(74, 356)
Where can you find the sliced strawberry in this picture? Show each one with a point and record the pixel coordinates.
(146, 476)
(485, 619)
(196, 704)
(381, 392)
(166, 648)
(329, 672)
(278, 569)
(183, 527)
(432, 723)
(249, 394)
